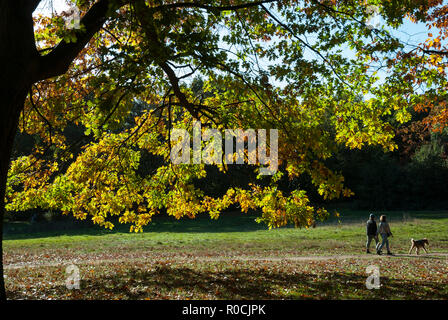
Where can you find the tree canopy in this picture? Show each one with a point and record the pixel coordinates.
(306, 68)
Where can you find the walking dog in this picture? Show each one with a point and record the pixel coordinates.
(417, 244)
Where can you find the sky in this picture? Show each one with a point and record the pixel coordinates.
(46, 6)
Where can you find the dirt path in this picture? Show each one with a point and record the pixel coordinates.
(34, 264)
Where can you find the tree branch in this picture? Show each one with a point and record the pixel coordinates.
(436, 52)
(59, 59)
(217, 8)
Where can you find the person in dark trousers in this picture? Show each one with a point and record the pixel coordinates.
(372, 232)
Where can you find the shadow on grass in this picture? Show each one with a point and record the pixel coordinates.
(233, 222)
(166, 282)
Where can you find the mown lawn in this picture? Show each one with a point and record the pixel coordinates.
(231, 258)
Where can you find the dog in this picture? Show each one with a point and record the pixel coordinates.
(417, 244)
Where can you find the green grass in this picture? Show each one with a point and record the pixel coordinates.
(177, 254)
(234, 231)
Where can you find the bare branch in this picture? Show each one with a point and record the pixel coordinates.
(217, 8)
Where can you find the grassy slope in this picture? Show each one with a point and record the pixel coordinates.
(149, 265)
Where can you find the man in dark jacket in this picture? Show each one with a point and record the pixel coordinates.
(372, 232)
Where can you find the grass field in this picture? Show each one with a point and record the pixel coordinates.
(231, 258)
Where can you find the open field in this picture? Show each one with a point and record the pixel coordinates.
(231, 258)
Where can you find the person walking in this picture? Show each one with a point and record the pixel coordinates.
(372, 232)
(384, 231)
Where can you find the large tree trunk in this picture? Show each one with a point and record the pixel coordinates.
(18, 67)
(21, 65)
(9, 114)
